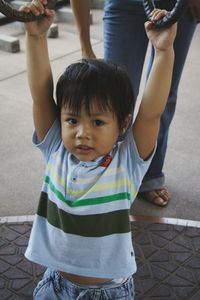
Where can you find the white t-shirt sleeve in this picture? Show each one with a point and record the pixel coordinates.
(51, 141)
(136, 166)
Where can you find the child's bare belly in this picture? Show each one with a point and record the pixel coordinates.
(83, 280)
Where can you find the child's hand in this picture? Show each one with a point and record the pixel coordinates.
(42, 24)
(161, 39)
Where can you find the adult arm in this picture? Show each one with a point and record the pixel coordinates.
(81, 10)
(147, 122)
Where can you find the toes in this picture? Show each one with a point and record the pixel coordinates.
(160, 201)
(164, 195)
(158, 197)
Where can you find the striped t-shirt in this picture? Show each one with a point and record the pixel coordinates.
(82, 222)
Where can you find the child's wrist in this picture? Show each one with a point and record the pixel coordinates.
(169, 50)
(166, 55)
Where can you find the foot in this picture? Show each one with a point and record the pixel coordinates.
(159, 197)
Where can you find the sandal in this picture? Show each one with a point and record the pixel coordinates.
(159, 197)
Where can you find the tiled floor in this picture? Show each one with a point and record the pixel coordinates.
(168, 259)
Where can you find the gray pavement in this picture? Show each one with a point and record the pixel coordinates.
(21, 164)
(168, 260)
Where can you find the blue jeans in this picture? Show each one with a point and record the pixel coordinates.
(125, 42)
(55, 287)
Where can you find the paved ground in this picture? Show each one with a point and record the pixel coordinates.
(19, 186)
(168, 259)
(167, 249)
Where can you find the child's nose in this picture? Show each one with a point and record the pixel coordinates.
(84, 131)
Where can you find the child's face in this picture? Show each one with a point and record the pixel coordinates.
(86, 136)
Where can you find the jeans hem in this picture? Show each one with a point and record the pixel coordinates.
(152, 184)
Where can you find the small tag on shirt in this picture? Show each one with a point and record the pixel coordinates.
(107, 160)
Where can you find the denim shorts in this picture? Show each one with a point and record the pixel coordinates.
(54, 287)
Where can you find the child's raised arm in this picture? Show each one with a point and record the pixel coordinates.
(39, 69)
(147, 122)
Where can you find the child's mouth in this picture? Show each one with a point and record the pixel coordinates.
(83, 148)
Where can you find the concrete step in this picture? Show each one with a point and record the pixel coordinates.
(9, 43)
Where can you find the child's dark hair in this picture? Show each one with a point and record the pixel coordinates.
(101, 81)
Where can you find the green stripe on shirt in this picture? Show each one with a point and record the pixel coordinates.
(89, 201)
(96, 225)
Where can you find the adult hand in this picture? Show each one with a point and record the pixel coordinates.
(161, 39)
(42, 24)
(194, 6)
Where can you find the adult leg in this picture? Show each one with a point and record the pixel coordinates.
(154, 179)
(125, 40)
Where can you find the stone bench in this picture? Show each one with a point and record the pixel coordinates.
(9, 43)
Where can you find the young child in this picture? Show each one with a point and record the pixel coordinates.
(95, 163)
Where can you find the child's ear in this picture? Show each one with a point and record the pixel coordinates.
(126, 123)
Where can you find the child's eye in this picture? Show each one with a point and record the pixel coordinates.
(99, 122)
(71, 121)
